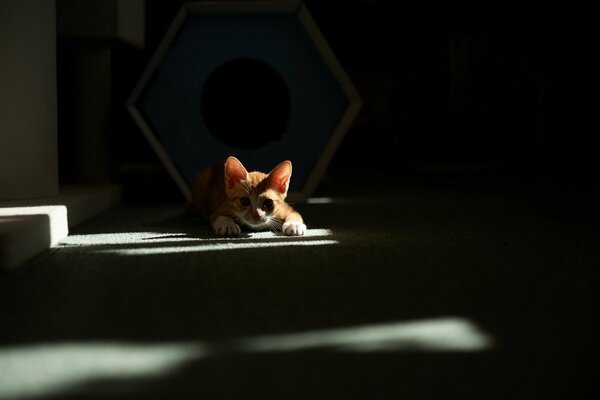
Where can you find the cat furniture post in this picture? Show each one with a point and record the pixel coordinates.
(91, 34)
(253, 79)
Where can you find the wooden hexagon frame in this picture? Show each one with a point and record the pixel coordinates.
(294, 7)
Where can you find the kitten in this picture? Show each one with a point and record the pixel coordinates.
(231, 196)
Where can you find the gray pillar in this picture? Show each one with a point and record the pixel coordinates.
(28, 143)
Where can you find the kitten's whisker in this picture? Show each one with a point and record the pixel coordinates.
(277, 221)
(274, 224)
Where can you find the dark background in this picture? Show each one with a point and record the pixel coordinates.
(451, 89)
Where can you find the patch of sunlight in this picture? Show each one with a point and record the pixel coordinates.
(148, 237)
(444, 334)
(57, 219)
(320, 200)
(113, 238)
(308, 233)
(51, 369)
(214, 247)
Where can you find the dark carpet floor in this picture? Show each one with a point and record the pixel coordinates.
(418, 292)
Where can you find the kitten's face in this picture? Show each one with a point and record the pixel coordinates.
(254, 203)
(254, 196)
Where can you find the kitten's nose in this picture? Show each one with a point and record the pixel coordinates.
(255, 215)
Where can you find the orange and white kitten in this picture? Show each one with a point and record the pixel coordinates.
(231, 196)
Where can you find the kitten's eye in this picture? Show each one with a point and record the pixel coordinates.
(245, 201)
(267, 204)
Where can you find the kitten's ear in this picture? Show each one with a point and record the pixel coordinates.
(234, 172)
(279, 177)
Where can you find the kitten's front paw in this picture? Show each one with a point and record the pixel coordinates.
(293, 228)
(225, 226)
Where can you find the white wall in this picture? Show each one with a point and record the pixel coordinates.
(28, 137)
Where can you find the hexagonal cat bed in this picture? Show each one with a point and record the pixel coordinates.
(251, 79)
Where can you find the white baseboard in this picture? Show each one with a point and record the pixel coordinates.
(28, 227)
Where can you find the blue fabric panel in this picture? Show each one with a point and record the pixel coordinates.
(171, 100)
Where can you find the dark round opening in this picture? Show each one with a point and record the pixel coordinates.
(245, 103)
